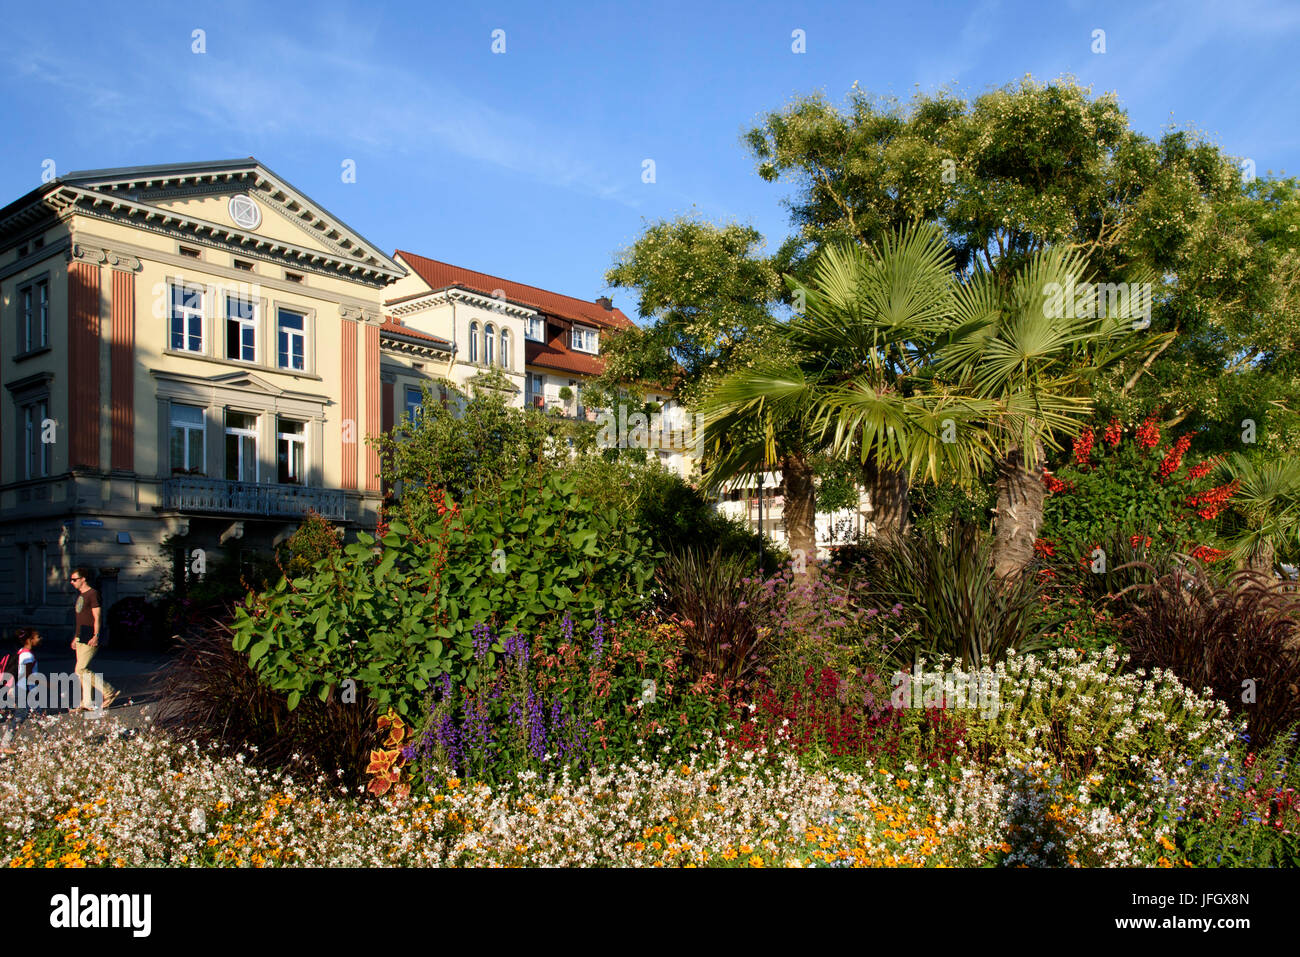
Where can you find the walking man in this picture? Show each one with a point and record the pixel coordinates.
(85, 641)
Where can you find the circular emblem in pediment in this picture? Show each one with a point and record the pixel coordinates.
(244, 212)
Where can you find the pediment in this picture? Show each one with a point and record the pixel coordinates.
(236, 203)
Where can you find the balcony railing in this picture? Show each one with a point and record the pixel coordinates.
(250, 498)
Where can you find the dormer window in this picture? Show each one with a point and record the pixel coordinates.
(535, 328)
(585, 339)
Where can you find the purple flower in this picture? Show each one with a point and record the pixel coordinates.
(518, 651)
(567, 627)
(598, 639)
(482, 635)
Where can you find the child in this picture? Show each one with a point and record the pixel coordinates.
(20, 669)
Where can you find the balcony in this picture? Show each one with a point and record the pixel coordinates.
(253, 499)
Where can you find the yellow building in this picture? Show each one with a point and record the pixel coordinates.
(190, 354)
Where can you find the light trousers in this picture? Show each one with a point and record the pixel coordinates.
(90, 681)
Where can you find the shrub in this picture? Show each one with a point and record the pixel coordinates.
(1089, 717)
(313, 541)
(1131, 479)
(397, 614)
(952, 598)
(1240, 638)
(713, 599)
(211, 694)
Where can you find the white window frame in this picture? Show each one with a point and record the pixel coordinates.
(505, 348)
(187, 428)
(489, 343)
(292, 438)
(581, 336)
(535, 329)
(243, 434)
(185, 314)
(286, 361)
(249, 323)
(473, 342)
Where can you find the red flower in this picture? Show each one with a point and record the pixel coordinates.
(1200, 471)
(1174, 457)
(1044, 548)
(1083, 446)
(1114, 431)
(1204, 553)
(1148, 435)
(1209, 504)
(1133, 540)
(1055, 485)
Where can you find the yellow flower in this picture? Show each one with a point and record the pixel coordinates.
(755, 861)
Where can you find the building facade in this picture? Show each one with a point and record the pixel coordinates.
(447, 321)
(195, 355)
(191, 360)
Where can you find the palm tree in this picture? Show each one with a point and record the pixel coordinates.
(853, 368)
(1032, 345)
(1266, 504)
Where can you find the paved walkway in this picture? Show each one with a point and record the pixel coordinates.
(131, 673)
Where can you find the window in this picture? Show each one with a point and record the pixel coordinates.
(489, 340)
(293, 340)
(414, 402)
(187, 318)
(535, 328)
(505, 348)
(291, 452)
(292, 276)
(243, 264)
(241, 446)
(189, 252)
(584, 339)
(187, 432)
(33, 316)
(36, 452)
(537, 388)
(241, 329)
(473, 342)
(38, 242)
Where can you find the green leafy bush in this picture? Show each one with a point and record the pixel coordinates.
(394, 615)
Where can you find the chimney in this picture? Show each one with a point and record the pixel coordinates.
(607, 303)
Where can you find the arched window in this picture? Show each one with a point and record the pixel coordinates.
(489, 344)
(505, 348)
(473, 342)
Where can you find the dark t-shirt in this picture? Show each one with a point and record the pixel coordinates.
(87, 601)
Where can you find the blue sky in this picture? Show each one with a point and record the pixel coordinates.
(528, 164)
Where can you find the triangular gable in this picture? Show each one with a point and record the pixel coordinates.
(280, 220)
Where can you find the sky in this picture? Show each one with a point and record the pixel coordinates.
(528, 163)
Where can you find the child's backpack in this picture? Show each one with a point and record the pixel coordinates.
(9, 663)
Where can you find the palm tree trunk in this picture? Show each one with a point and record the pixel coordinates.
(799, 511)
(1019, 512)
(891, 506)
(1261, 558)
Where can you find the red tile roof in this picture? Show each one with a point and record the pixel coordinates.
(394, 326)
(548, 357)
(440, 275)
